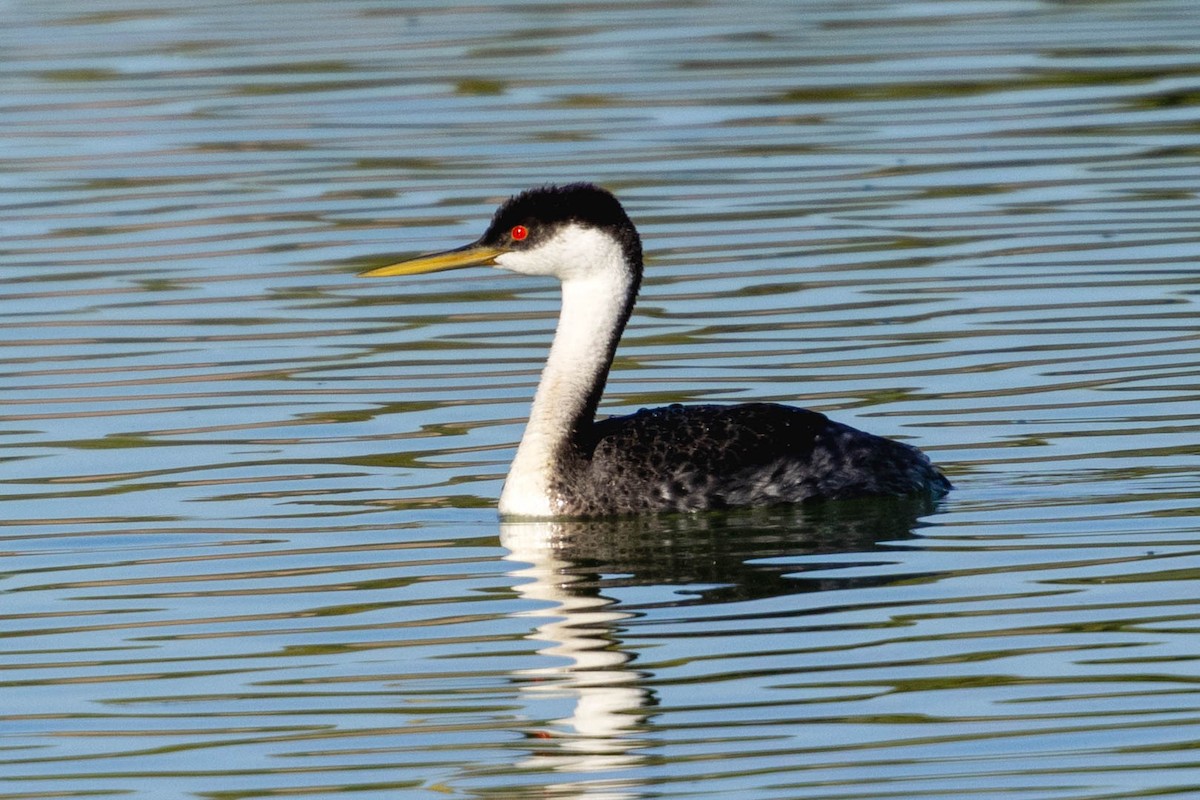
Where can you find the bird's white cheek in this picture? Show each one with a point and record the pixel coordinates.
(572, 253)
(526, 262)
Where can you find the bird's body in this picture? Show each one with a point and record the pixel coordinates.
(677, 458)
(697, 458)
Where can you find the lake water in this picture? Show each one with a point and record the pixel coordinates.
(249, 546)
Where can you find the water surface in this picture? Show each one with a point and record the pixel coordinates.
(247, 502)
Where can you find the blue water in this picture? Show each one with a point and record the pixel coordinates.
(247, 519)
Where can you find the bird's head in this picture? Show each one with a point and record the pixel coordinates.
(572, 232)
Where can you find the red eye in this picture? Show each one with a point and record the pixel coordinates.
(519, 233)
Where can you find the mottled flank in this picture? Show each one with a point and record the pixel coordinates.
(712, 457)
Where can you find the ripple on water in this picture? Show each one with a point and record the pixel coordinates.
(246, 502)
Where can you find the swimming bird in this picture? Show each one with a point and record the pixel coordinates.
(675, 458)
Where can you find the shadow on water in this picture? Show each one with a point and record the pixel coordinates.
(576, 566)
(727, 552)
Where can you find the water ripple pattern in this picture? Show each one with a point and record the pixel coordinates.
(247, 519)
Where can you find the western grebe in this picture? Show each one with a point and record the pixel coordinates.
(663, 459)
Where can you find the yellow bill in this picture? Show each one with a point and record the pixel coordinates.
(473, 255)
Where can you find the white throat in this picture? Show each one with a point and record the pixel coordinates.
(595, 286)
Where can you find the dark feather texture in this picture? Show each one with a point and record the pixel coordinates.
(690, 458)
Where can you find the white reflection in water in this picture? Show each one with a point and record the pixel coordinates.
(598, 735)
(585, 570)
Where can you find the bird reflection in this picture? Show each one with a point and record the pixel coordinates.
(577, 566)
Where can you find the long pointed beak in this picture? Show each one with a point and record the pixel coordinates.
(473, 255)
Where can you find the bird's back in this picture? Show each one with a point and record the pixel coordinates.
(685, 458)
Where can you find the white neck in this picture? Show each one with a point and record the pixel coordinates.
(593, 309)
